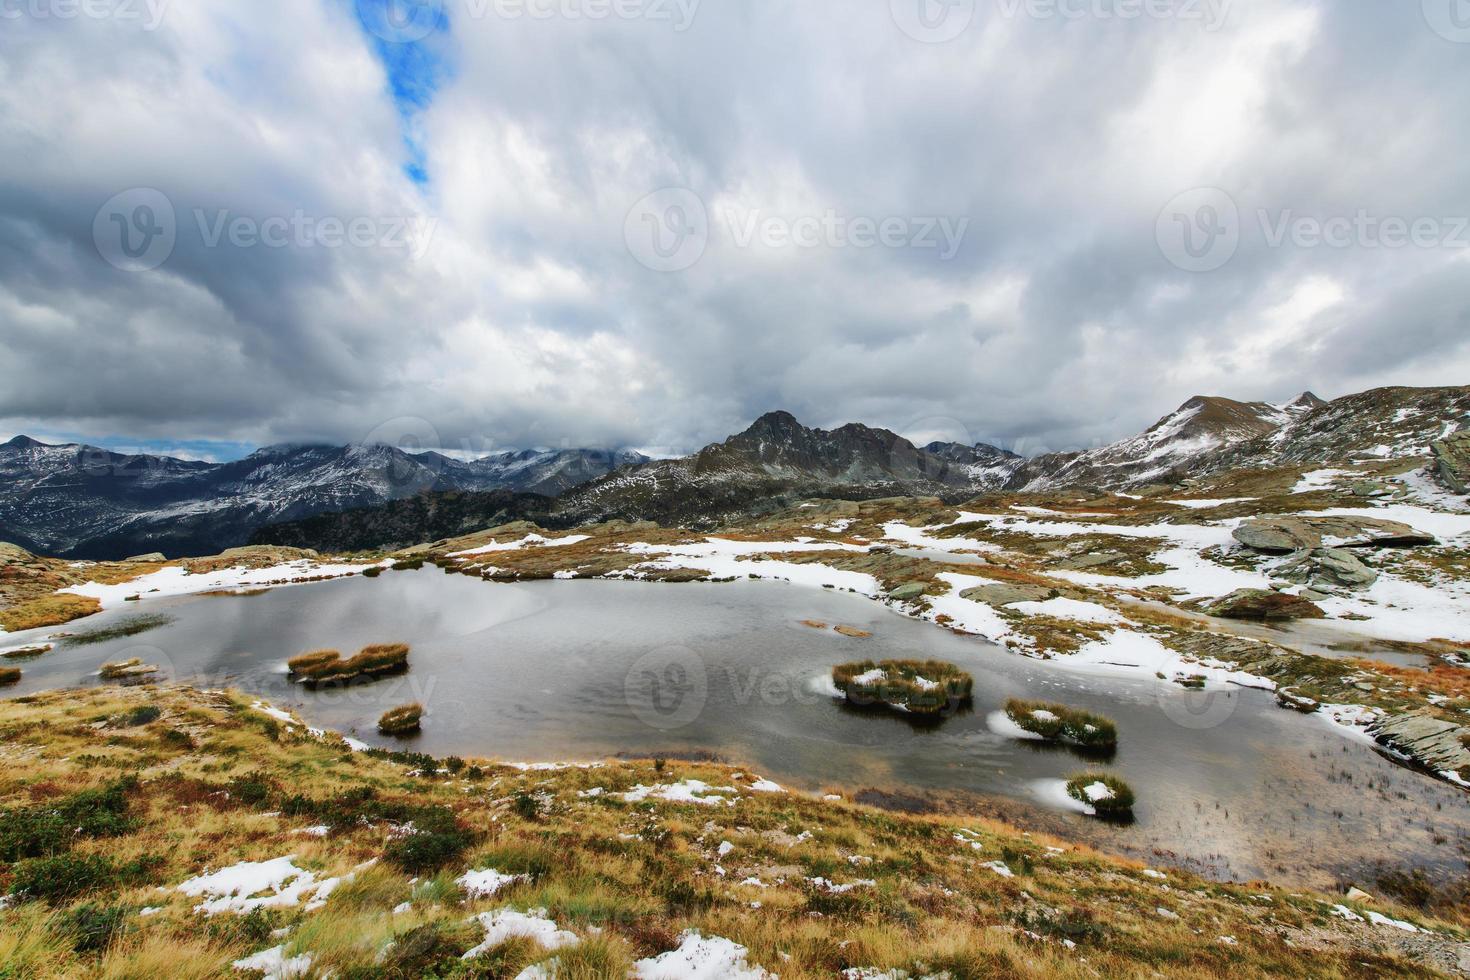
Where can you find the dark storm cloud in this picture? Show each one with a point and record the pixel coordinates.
(521, 315)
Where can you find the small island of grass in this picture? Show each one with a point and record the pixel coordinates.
(327, 666)
(1059, 723)
(9, 676)
(1108, 796)
(926, 688)
(401, 721)
(134, 670)
(27, 653)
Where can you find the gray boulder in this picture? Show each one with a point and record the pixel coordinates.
(1434, 743)
(1324, 569)
(908, 591)
(1283, 535)
(1004, 593)
(1278, 535)
(1263, 606)
(1452, 460)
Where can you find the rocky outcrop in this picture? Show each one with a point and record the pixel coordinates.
(1326, 569)
(1284, 535)
(1264, 606)
(1004, 593)
(1430, 741)
(1452, 461)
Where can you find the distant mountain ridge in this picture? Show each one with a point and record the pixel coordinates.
(777, 460)
(1202, 426)
(81, 502)
(85, 502)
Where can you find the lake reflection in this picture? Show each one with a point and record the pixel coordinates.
(586, 670)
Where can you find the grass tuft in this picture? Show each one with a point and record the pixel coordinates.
(131, 626)
(1057, 722)
(1118, 804)
(919, 687)
(401, 721)
(327, 666)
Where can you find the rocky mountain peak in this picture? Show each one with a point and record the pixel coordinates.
(1305, 402)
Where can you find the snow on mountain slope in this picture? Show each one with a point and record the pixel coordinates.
(81, 501)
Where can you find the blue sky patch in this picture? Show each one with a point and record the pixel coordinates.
(409, 37)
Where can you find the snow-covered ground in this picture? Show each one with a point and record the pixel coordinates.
(176, 580)
(529, 541)
(722, 558)
(701, 958)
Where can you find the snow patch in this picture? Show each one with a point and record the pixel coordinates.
(701, 958)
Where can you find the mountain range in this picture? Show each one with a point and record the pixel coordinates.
(84, 502)
(78, 501)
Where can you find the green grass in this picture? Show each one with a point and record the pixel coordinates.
(131, 626)
(1119, 805)
(1058, 722)
(900, 687)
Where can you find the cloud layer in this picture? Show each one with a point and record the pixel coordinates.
(448, 232)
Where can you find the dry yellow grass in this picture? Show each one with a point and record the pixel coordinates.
(215, 782)
(52, 610)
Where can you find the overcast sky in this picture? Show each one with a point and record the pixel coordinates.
(495, 223)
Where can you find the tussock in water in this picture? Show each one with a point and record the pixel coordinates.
(128, 627)
(1108, 796)
(328, 667)
(401, 721)
(127, 670)
(1059, 723)
(919, 687)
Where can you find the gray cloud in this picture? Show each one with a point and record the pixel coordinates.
(1059, 322)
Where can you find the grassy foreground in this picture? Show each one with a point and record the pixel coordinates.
(111, 798)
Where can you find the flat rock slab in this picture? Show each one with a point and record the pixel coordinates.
(1283, 535)
(1004, 593)
(904, 593)
(1431, 741)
